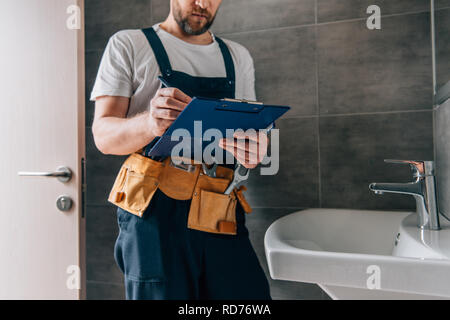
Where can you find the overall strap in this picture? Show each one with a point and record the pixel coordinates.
(229, 65)
(163, 58)
(158, 49)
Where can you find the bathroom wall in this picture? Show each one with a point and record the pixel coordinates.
(442, 112)
(358, 96)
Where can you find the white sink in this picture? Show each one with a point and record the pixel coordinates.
(352, 254)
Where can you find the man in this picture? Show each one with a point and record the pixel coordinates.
(159, 255)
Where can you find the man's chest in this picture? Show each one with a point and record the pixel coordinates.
(196, 63)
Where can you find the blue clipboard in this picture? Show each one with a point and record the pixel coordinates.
(220, 114)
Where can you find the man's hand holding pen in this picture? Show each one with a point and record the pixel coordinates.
(165, 107)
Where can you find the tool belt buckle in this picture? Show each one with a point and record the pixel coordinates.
(183, 166)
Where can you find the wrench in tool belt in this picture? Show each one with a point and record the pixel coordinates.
(241, 174)
(211, 172)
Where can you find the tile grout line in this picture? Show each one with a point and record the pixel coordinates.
(434, 135)
(373, 113)
(354, 114)
(320, 23)
(433, 71)
(319, 163)
(315, 11)
(319, 171)
(433, 47)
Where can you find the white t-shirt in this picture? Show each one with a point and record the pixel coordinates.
(129, 68)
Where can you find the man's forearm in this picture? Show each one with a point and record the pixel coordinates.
(121, 136)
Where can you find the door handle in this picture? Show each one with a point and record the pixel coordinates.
(62, 173)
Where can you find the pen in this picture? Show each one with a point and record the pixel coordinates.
(270, 127)
(164, 82)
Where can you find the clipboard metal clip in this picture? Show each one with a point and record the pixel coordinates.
(242, 100)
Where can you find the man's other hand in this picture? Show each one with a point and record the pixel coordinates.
(248, 148)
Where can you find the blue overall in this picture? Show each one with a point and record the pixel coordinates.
(162, 258)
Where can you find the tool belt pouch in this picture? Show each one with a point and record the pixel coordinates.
(136, 183)
(211, 210)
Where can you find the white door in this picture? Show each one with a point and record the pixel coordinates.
(41, 129)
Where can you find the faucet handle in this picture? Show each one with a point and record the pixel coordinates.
(421, 168)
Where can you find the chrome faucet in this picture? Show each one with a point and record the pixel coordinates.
(423, 189)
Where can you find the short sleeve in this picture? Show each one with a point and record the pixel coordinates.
(115, 73)
(249, 79)
(246, 72)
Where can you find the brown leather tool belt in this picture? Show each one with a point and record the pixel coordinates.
(211, 210)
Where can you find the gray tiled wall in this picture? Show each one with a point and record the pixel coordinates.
(362, 70)
(442, 112)
(357, 96)
(442, 136)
